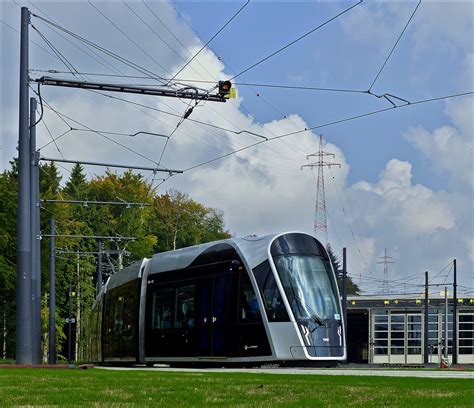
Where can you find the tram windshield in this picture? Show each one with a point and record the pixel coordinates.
(309, 286)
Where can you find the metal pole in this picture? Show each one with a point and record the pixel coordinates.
(36, 243)
(52, 299)
(69, 334)
(99, 266)
(446, 322)
(23, 281)
(35, 250)
(344, 290)
(455, 317)
(425, 332)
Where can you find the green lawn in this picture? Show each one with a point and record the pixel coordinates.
(97, 388)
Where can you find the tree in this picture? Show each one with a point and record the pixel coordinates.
(173, 220)
(76, 186)
(179, 221)
(351, 287)
(8, 245)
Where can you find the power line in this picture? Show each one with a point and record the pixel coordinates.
(327, 125)
(204, 81)
(105, 133)
(151, 29)
(213, 127)
(393, 281)
(34, 42)
(58, 53)
(109, 53)
(103, 61)
(349, 226)
(355, 235)
(394, 46)
(180, 116)
(52, 138)
(163, 24)
(240, 106)
(294, 41)
(162, 39)
(208, 42)
(181, 120)
(129, 38)
(99, 133)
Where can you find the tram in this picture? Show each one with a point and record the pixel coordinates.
(254, 300)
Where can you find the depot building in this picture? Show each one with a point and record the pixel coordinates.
(390, 330)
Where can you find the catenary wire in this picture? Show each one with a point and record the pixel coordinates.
(294, 41)
(261, 85)
(346, 195)
(129, 38)
(52, 138)
(394, 46)
(151, 29)
(95, 131)
(32, 41)
(111, 54)
(355, 117)
(100, 60)
(209, 41)
(58, 53)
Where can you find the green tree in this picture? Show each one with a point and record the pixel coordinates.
(8, 244)
(352, 288)
(76, 187)
(179, 221)
(173, 220)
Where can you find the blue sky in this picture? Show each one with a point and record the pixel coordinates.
(406, 180)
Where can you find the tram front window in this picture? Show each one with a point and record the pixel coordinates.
(309, 287)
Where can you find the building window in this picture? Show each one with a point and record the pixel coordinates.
(381, 334)
(397, 333)
(466, 333)
(414, 333)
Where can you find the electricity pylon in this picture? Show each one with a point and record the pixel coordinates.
(320, 218)
(385, 260)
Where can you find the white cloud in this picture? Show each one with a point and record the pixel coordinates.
(263, 190)
(447, 23)
(450, 149)
(413, 210)
(376, 21)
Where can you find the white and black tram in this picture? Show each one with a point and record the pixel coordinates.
(243, 300)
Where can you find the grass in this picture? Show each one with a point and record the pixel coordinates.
(99, 388)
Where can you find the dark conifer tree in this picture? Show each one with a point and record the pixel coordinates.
(352, 288)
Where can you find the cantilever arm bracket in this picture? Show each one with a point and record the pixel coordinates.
(185, 93)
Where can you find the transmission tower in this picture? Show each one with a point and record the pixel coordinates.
(320, 218)
(385, 260)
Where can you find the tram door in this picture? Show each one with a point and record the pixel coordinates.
(215, 314)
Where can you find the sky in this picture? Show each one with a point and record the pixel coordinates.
(405, 181)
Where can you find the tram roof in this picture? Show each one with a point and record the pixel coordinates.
(252, 249)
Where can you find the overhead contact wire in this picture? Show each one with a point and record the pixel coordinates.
(295, 41)
(329, 124)
(395, 45)
(209, 41)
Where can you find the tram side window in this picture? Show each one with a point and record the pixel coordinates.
(249, 310)
(274, 306)
(185, 296)
(118, 316)
(163, 309)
